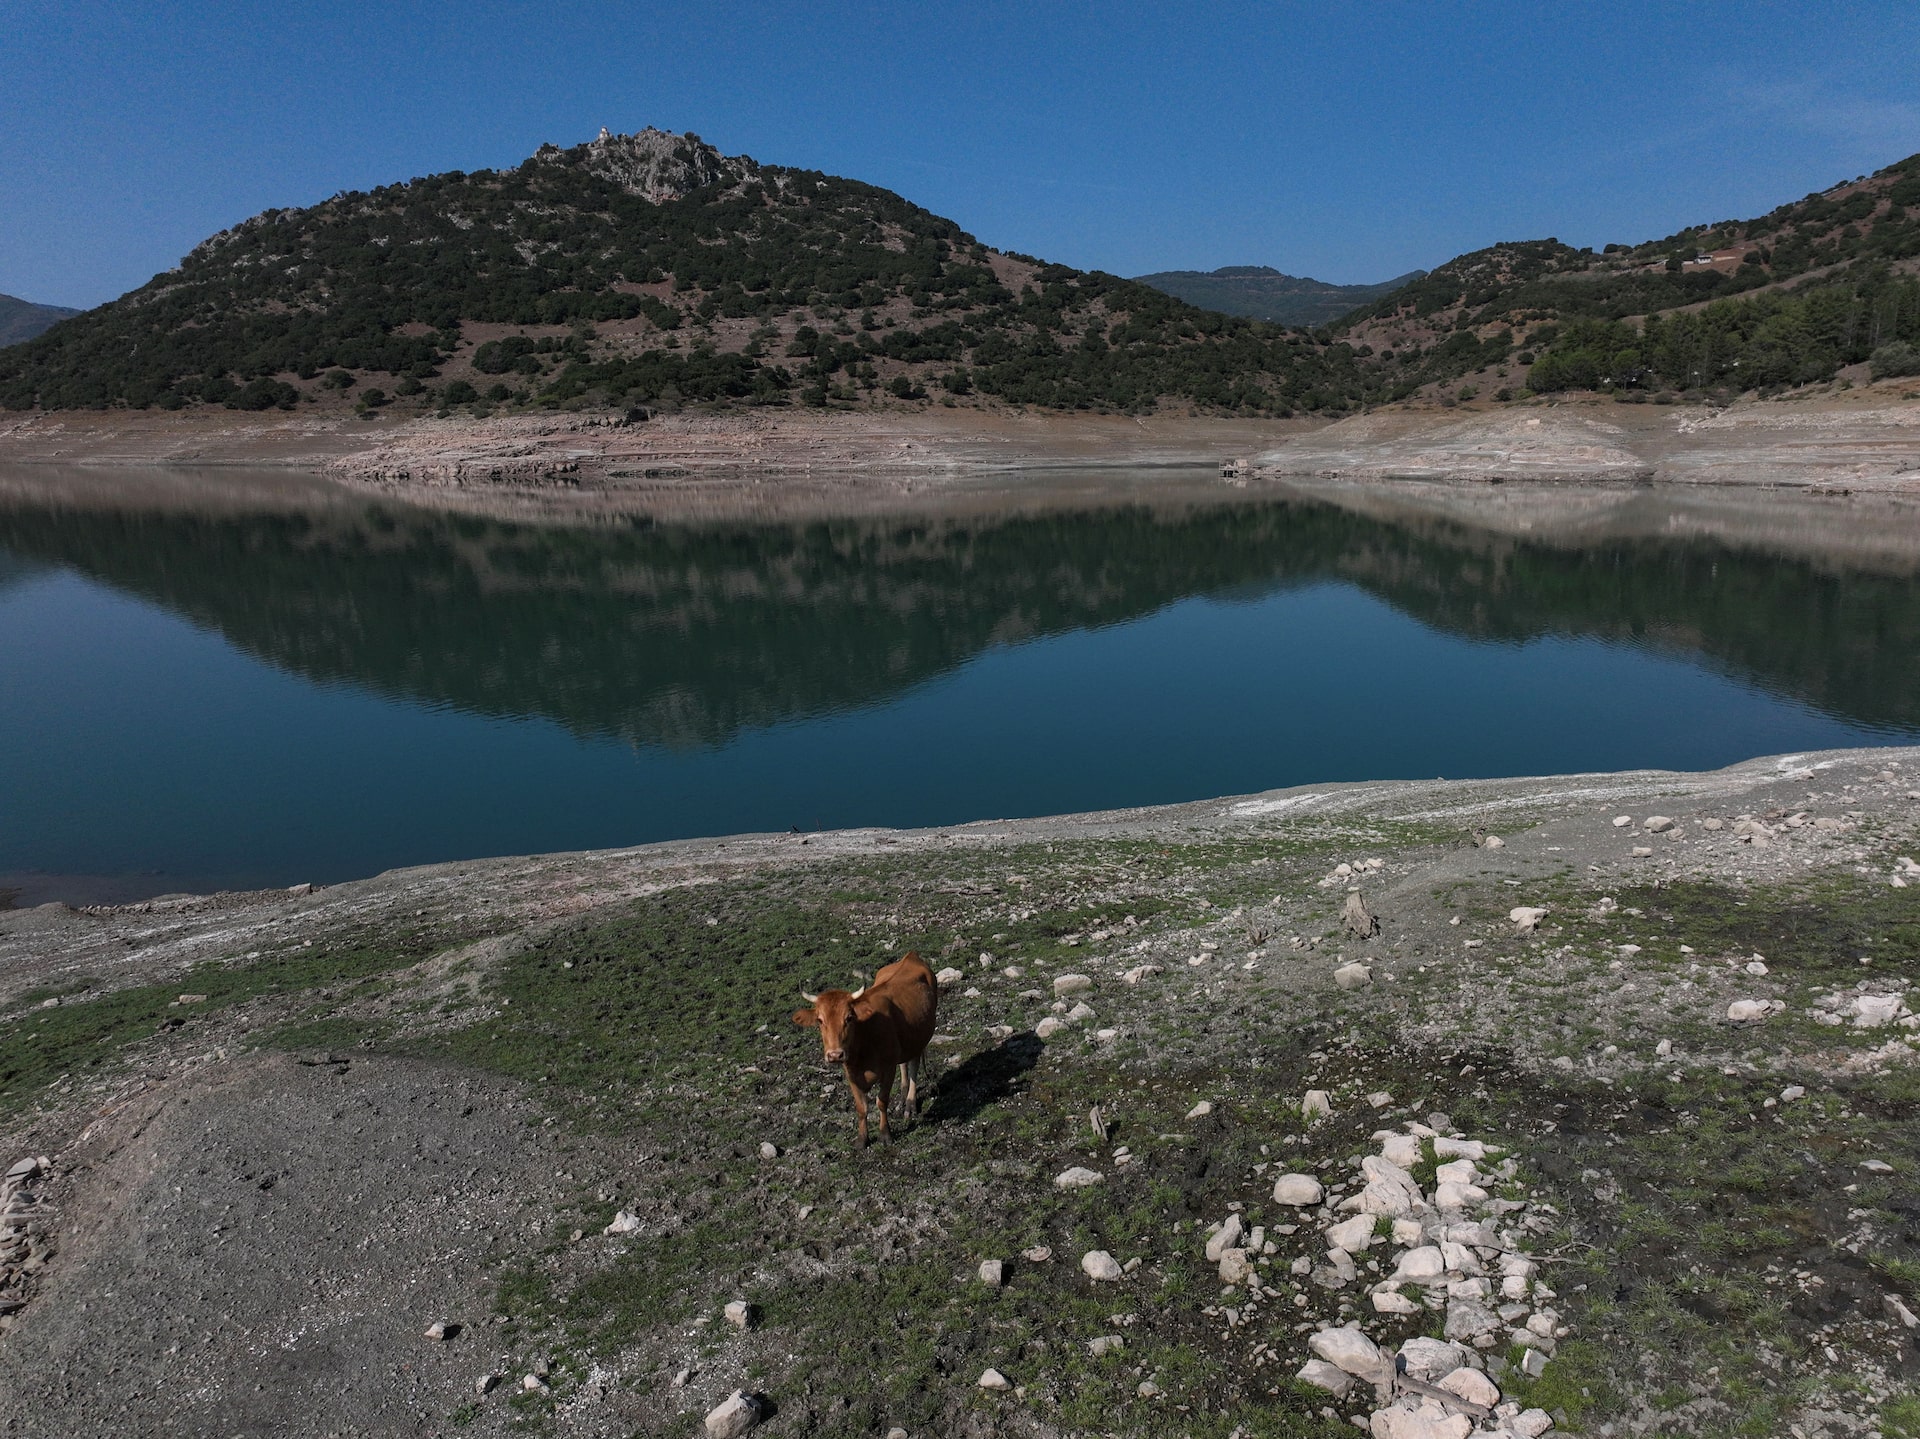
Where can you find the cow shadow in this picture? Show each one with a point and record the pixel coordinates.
(982, 1079)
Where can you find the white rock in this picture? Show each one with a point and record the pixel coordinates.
(1748, 1011)
(1322, 1375)
(1756, 967)
(1140, 972)
(992, 1272)
(1235, 1267)
(1389, 1189)
(949, 976)
(1455, 1171)
(1534, 1364)
(993, 1379)
(1428, 1358)
(1472, 1386)
(625, 1222)
(1527, 917)
(1656, 824)
(436, 1330)
(1793, 1092)
(769, 1150)
(1411, 1418)
(1101, 1267)
(1070, 984)
(1316, 1104)
(1352, 1351)
(734, 1416)
(1080, 1013)
(1352, 1235)
(1201, 1110)
(1531, 1423)
(740, 1314)
(1105, 1344)
(1224, 1238)
(1400, 1149)
(1077, 1178)
(1049, 1026)
(1353, 976)
(1424, 1265)
(1447, 1147)
(1407, 1233)
(1298, 1190)
(1392, 1301)
(1621, 821)
(1454, 1195)
(1467, 1319)
(1664, 1049)
(1493, 841)
(1872, 1011)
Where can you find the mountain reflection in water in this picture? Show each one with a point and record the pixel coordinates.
(685, 637)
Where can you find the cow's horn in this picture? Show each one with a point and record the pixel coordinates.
(809, 998)
(860, 991)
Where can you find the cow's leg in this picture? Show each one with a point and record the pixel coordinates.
(886, 1097)
(860, 1108)
(912, 1068)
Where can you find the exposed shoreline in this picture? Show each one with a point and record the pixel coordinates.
(1831, 444)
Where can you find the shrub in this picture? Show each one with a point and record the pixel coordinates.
(1893, 360)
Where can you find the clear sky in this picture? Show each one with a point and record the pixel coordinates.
(1351, 142)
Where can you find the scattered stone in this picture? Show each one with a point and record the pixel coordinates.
(1353, 976)
(1077, 1178)
(625, 1222)
(1472, 1386)
(24, 1169)
(1532, 1423)
(1349, 1349)
(1392, 1301)
(1423, 1265)
(1068, 985)
(1298, 1190)
(1080, 1013)
(303, 888)
(1533, 1363)
(1793, 1092)
(992, 1273)
(1428, 1359)
(1201, 1110)
(1050, 1026)
(1357, 918)
(949, 976)
(1418, 1418)
(740, 1314)
(1224, 1238)
(436, 1331)
(1101, 1267)
(1716, 825)
(532, 1383)
(1235, 1266)
(1526, 917)
(1039, 1254)
(1899, 1312)
(1621, 821)
(1876, 1166)
(1493, 841)
(486, 1383)
(1752, 1011)
(1656, 824)
(993, 1379)
(1105, 1344)
(769, 1150)
(1352, 1235)
(734, 1416)
(1322, 1375)
(1316, 1104)
(1148, 1389)
(1641, 851)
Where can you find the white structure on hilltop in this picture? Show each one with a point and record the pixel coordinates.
(603, 133)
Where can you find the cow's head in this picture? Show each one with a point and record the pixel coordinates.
(833, 1011)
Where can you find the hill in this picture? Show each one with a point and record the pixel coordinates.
(1261, 292)
(22, 319)
(1790, 298)
(649, 270)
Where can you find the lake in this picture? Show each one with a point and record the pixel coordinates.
(235, 681)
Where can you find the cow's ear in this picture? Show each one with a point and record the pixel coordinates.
(806, 1018)
(913, 955)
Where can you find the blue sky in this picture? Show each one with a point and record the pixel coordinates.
(1350, 142)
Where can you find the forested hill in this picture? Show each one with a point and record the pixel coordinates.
(650, 270)
(1790, 298)
(1261, 292)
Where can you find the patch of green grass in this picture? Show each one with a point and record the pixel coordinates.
(83, 1034)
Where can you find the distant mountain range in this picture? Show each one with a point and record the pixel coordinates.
(651, 272)
(22, 319)
(1261, 292)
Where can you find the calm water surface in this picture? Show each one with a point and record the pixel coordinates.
(199, 695)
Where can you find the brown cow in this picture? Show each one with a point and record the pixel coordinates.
(877, 1029)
